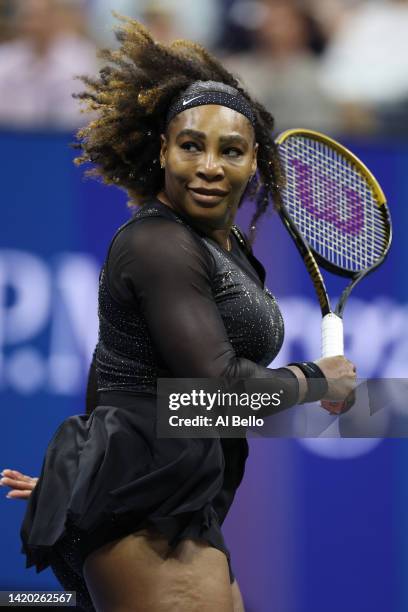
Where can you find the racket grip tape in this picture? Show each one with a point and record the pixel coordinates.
(332, 335)
(332, 345)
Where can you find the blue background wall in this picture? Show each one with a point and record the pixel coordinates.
(318, 524)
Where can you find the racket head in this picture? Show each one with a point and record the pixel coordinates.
(333, 203)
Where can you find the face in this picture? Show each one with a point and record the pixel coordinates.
(36, 18)
(284, 29)
(209, 154)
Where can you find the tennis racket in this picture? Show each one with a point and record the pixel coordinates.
(337, 215)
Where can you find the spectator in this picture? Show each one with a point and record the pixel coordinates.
(330, 14)
(161, 22)
(197, 20)
(282, 70)
(365, 68)
(6, 11)
(37, 67)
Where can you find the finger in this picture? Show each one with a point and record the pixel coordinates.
(18, 484)
(10, 482)
(14, 474)
(12, 478)
(18, 494)
(350, 401)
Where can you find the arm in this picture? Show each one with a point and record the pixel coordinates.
(165, 268)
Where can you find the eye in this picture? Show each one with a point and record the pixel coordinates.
(190, 146)
(233, 152)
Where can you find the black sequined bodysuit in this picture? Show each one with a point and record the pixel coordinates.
(172, 303)
(215, 294)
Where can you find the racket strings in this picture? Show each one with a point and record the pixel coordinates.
(332, 204)
(349, 227)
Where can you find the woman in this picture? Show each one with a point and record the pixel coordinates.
(120, 515)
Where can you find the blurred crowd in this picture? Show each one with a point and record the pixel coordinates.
(339, 66)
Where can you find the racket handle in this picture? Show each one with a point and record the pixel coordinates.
(332, 345)
(332, 335)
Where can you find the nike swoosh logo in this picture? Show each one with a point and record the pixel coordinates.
(185, 102)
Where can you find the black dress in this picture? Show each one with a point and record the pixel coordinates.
(172, 303)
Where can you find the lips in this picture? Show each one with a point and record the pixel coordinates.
(205, 191)
(207, 196)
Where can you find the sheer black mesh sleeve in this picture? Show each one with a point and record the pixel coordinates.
(164, 267)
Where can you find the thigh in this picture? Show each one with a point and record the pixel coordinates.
(237, 601)
(140, 573)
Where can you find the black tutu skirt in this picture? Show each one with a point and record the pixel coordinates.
(107, 475)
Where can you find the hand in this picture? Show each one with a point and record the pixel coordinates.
(341, 376)
(21, 486)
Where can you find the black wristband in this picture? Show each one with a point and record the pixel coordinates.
(317, 384)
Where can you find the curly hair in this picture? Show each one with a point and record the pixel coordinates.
(131, 97)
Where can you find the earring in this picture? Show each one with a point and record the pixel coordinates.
(162, 164)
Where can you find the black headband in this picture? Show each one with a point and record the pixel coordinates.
(189, 99)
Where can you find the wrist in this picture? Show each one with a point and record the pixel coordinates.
(316, 381)
(303, 385)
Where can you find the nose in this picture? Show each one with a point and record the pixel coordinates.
(210, 168)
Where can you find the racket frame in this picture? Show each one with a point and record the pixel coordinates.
(313, 259)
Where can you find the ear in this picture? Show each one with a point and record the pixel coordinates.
(163, 150)
(254, 164)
